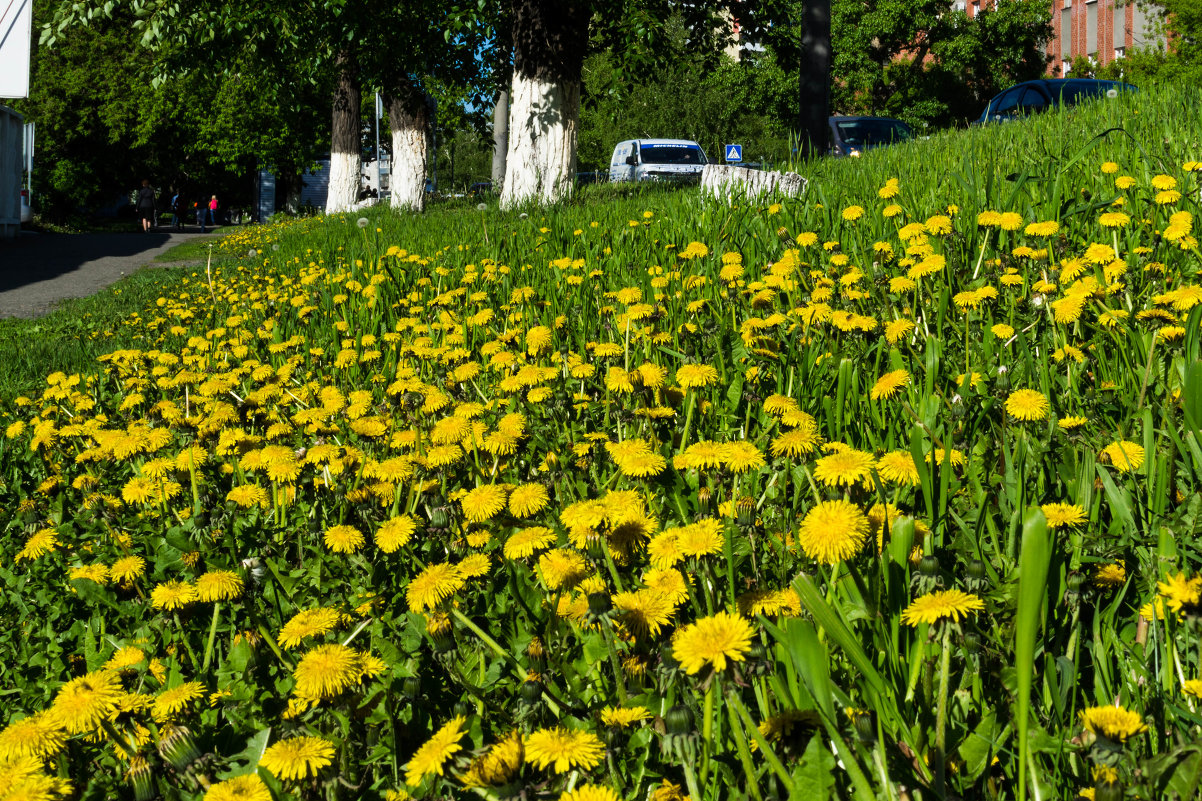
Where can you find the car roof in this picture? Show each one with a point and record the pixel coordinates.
(665, 142)
(846, 118)
(1053, 82)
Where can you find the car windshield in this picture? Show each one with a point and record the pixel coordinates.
(872, 132)
(672, 154)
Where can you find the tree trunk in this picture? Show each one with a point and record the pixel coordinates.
(409, 118)
(815, 95)
(549, 41)
(500, 138)
(345, 146)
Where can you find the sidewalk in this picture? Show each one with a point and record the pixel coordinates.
(39, 270)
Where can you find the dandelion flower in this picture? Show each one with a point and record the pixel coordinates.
(939, 605)
(713, 641)
(326, 671)
(34, 736)
(395, 533)
(527, 500)
(1124, 456)
(1112, 722)
(562, 569)
(889, 384)
(797, 443)
(39, 543)
(897, 467)
(498, 766)
(1027, 404)
(1179, 591)
(844, 468)
(1112, 575)
(297, 757)
(590, 792)
(622, 717)
(127, 568)
(432, 586)
(240, 788)
(563, 750)
(691, 376)
(218, 585)
(434, 753)
(1060, 515)
(173, 595)
(343, 539)
(483, 503)
(742, 456)
(81, 704)
(308, 623)
(171, 702)
(528, 541)
(832, 531)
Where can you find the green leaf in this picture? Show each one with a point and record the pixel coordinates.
(1034, 560)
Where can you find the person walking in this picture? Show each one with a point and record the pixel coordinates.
(146, 205)
(202, 212)
(177, 211)
(213, 210)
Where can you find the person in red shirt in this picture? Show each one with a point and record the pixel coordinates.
(213, 210)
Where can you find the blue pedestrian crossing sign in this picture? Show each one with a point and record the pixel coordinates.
(734, 153)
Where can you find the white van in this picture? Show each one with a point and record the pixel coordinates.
(657, 160)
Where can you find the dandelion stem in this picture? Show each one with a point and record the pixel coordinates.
(941, 712)
(184, 638)
(212, 636)
(501, 652)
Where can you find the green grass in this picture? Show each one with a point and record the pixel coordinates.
(195, 249)
(72, 336)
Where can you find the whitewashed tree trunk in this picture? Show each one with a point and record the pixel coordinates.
(540, 164)
(343, 189)
(729, 183)
(500, 139)
(549, 39)
(409, 118)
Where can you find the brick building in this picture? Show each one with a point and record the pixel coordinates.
(1101, 30)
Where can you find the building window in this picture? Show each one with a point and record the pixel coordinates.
(1119, 52)
(1066, 67)
(1068, 4)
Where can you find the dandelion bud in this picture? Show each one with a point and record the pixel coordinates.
(411, 687)
(679, 720)
(462, 709)
(531, 690)
(139, 775)
(976, 569)
(704, 497)
(439, 517)
(929, 566)
(599, 604)
(176, 746)
(1076, 581)
(535, 649)
(972, 642)
(745, 511)
(865, 724)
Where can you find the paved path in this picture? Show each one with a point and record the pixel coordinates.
(39, 270)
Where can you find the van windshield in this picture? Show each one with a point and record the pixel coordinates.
(865, 132)
(671, 154)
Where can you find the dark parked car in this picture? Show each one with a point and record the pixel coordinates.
(851, 136)
(1032, 97)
